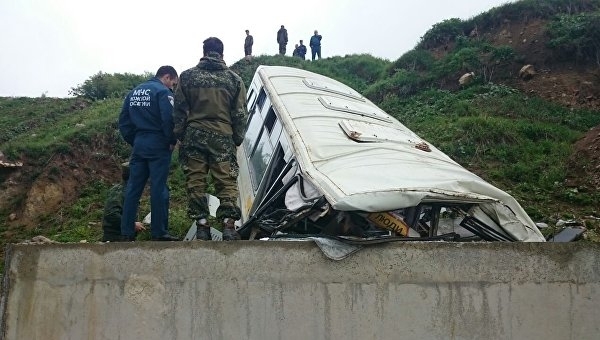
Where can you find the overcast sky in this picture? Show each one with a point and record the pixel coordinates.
(49, 46)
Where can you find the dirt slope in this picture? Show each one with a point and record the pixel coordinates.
(567, 83)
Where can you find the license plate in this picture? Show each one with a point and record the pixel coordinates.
(389, 221)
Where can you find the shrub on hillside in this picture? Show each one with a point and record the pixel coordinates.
(576, 36)
(403, 83)
(413, 60)
(463, 60)
(442, 33)
(357, 71)
(524, 10)
(104, 85)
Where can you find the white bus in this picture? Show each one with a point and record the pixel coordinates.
(318, 158)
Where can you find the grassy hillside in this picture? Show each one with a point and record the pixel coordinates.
(521, 136)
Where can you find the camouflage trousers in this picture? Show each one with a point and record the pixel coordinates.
(204, 151)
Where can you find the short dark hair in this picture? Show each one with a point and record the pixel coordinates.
(164, 70)
(213, 44)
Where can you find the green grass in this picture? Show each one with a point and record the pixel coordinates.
(23, 115)
(40, 140)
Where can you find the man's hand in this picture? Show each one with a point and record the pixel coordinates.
(139, 227)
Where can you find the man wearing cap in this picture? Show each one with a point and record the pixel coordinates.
(210, 120)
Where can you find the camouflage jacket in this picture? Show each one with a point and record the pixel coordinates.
(210, 96)
(113, 209)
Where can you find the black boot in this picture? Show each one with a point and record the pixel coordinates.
(126, 238)
(166, 237)
(229, 232)
(203, 230)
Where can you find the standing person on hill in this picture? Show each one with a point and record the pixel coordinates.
(295, 52)
(248, 45)
(315, 45)
(146, 123)
(302, 51)
(282, 39)
(210, 120)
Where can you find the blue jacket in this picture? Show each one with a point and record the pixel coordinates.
(148, 109)
(315, 41)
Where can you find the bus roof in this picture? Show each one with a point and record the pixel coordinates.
(361, 157)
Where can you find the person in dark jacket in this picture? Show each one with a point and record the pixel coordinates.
(248, 42)
(282, 39)
(210, 120)
(301, 50)
(146, 123)
(315, 45)
(113, 209)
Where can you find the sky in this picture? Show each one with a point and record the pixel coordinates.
(49, 46)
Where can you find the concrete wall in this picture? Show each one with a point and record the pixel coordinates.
(290, 290)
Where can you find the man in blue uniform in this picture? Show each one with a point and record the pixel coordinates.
(315, 45)
(301, 50)
(146, 123)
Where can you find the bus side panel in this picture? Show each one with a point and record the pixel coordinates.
(244, 183)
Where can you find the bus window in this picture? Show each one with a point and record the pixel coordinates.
(250, 94)
(252, 132)
(262, 96)
(270, 120)
(273, 126)
(251, 100)
(276, 132)
(272, 181)
(259, 159)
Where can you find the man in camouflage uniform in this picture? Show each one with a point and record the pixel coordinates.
(113, 209)
(210, 120)
(315, 45)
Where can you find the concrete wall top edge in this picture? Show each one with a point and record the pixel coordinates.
(280, 261)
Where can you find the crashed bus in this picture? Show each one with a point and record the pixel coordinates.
(320, 159)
